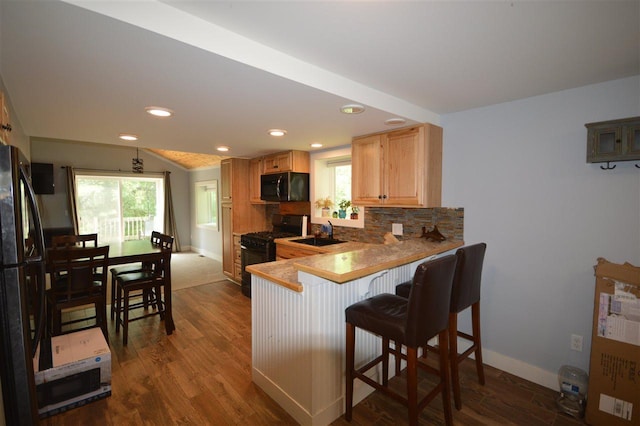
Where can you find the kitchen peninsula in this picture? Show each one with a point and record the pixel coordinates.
(298, 325)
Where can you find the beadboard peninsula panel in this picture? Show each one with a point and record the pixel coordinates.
(298, 341)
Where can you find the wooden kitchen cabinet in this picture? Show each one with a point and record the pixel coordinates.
(5, 125)
(237, 214)
(226, 222)
(226, 180)
(237, 258)
(288, 161)
(401, 168)
(616, 140)
(255, 171)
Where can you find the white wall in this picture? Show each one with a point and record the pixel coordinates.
(106, 157)
(207, 242)
(519, 170)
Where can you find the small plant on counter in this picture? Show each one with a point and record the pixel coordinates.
(344, 205)
(324, 203)
(354, 212)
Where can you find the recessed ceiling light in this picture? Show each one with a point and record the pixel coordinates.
(128, 137)
(352, 109)
(395, 121)
(316, 145)
(277, 132)
(223, 148)
(159, 111)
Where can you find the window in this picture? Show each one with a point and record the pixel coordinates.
(119, 207)
(207, 204)
(331, 180)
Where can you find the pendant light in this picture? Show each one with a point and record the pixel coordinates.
(137, 164)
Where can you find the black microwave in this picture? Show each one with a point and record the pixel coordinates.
(289, 186)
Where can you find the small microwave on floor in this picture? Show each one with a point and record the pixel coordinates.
(81, 372)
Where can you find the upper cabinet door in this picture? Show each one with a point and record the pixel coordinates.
(366, 170)
(633, 140)
(288, 161)
(403, 154)
(402, 168)
(225, 181)
(606, 142)
(277, 163)
(255, 171)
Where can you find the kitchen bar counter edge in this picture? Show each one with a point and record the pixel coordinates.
(350, 261)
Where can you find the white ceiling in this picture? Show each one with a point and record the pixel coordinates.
(85, 70)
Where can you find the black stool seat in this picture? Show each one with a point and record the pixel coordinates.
(404, 289)
(411, 322)
(465, 294)
(385, 314)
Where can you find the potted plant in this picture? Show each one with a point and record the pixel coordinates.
(354, 212)
(344, 205)
(325, 204)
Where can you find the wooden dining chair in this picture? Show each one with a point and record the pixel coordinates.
(148, 283)
(410, 322)
(465, 294)
(77, 240)
(74, 240)
(81, 280)
(157, 239)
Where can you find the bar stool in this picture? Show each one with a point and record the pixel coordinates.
(466, 293)
(157, 239)
(410, 322)
(149, 283)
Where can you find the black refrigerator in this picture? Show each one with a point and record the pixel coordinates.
(22, 287)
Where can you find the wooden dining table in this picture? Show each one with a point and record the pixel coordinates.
(142, 251)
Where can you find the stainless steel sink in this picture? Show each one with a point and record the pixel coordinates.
(318, 242)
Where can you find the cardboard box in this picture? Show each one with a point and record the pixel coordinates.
(614, 373)
(81, 372)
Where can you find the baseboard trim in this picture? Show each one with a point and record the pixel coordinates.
(521, 369)
(208, 254)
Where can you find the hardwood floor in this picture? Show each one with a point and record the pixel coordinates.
(201, 375)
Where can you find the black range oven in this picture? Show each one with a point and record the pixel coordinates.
(259, 247)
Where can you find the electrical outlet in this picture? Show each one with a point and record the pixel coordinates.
(576, 342)
(396, 228)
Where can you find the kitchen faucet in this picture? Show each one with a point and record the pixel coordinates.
(330, 230)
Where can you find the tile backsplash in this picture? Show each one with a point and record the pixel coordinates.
(378, 220)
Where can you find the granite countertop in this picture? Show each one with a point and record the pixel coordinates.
(350, 261)
(332, 248)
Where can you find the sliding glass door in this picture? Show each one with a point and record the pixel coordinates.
(119, 207)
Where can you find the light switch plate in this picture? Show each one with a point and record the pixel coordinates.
(396, 228)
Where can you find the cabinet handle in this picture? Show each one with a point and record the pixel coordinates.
(379, 197)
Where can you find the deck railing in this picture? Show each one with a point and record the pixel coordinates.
(113, 229)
